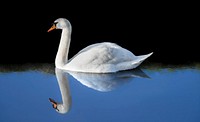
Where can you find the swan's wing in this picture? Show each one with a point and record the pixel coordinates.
(84, 50)
(100, 56)
(104, 57)
(105, 52)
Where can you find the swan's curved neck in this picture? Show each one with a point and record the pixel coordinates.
(63, 49)
(64, 89)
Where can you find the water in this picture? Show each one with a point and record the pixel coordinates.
(141, 95)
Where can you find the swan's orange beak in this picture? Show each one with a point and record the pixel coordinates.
(52, 28)
(54, 103)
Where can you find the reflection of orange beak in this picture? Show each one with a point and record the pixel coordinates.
(54, 104)
(52, 28)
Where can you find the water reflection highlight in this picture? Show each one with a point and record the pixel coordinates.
(107, 81)
(102, 82)
(63, 83)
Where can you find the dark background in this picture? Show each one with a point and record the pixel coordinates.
(167, 29)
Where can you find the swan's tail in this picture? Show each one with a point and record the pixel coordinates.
(140, 59)
(134, 63)
(143, 57)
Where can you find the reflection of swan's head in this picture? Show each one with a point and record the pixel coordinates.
(60, 108)
(64, 106)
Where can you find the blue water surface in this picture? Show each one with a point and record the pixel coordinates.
(153, 95)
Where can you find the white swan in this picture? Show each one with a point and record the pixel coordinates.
(102, 57)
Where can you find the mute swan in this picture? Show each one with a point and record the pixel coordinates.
(101, 57)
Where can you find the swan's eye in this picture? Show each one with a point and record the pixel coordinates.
(55, 23)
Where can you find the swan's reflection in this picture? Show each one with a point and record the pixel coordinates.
(65, 105)
(107, 81)
(100, 82)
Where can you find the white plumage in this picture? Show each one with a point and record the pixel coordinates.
(104, 57)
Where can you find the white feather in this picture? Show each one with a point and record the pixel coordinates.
(104, 57)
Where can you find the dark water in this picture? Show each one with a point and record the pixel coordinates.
(141, 95)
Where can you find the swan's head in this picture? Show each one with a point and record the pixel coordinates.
(60, 23)
(60, 108)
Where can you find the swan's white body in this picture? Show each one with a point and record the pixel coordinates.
(102, 57)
